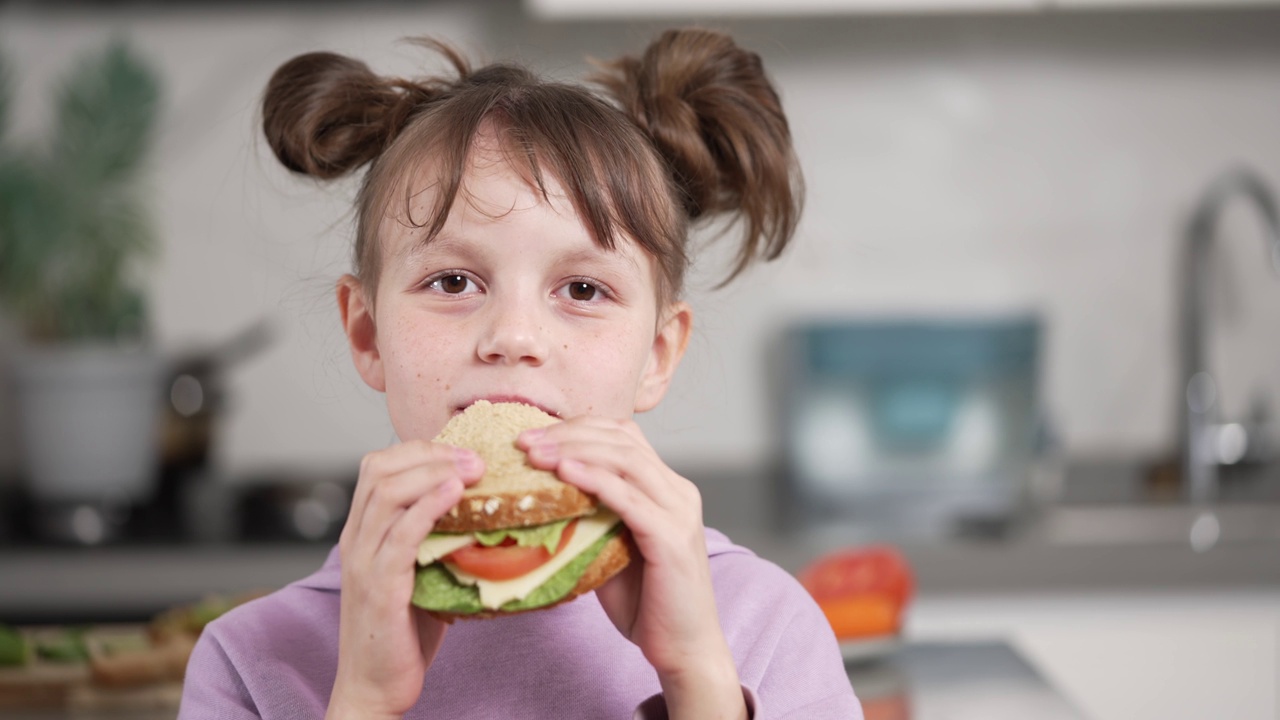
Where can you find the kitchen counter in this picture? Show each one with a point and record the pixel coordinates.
(133, 582)
(1105, 535)
(956, 681)
(1182, 626)
(929, 681)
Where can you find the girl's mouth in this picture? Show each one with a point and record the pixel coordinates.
(507, 399)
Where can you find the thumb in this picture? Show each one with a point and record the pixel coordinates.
(620, 596)
(430, 634)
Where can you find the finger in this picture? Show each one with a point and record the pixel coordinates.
(430, 634)
(626, 427)
(620, 595)
(638, 511)
(617, 453)
(566, 429)
(399, 548)
(389, 461)
(592, 429)
(390, 496)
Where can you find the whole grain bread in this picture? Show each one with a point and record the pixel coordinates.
(512, 493)
(613, 557)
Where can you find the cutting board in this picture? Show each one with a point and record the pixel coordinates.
(143, 678)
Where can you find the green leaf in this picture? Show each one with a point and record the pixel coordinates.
(106, 115)
(64, 647)
(548, 536)
(75, 226)
(436, 589)
(6, 91)
(210, 609)
(13, 647)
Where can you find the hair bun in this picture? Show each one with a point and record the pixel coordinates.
(325, 114)
(715, 117)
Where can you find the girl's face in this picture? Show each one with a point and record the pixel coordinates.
(513, 300)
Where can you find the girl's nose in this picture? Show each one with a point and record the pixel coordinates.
(513, 336)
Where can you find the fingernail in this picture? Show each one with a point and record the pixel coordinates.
(466, 460)
(547, 452)
(532, 436)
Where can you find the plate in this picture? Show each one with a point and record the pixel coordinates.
(869, 648)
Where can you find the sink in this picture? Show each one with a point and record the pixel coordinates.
(1201, 527)
(1110, 503)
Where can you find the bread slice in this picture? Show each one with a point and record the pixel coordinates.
(512, 492)
(613, 557)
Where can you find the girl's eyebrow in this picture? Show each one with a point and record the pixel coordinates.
(448, 245)
(611, 259)
(444, 244)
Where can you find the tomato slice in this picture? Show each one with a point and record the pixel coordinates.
(505, 561)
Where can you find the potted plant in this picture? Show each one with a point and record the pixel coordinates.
(75, 233)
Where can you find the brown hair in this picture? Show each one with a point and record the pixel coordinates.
(691, 129)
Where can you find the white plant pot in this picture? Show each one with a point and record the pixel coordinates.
(88, 418)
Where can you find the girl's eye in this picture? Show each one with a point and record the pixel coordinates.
(450, 284)
(582, 291)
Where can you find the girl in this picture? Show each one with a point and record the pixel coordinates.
(523, 240)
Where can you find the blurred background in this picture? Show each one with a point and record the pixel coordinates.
(1028, 333)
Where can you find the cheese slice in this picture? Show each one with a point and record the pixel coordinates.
(434, 548)
(496, 593)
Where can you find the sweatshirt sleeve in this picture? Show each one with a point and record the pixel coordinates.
(806, 678)
(213, 688)
(788, 659)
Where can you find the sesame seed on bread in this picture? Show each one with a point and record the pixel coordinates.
(512, 493)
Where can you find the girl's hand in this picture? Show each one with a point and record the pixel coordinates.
(384, 643)
(663, 602)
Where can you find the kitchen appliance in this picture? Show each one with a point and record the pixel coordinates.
(142, 425)
(87, 427)
(902, 427)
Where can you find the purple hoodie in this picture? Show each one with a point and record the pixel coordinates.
(276, 657)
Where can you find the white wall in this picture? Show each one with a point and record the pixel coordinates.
(954, 164)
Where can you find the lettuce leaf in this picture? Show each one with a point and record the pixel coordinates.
(436, 589)
(548, 536)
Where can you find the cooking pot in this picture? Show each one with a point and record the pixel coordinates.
(195, 395)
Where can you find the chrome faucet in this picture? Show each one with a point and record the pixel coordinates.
(1206, 442)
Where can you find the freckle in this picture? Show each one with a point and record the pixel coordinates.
(566, 347)
(447, 388)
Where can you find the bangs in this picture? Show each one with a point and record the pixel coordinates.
(604, 163)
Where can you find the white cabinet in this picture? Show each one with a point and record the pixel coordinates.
(1157, 4)
(631, 9)
(1134, 656)
(621, 9)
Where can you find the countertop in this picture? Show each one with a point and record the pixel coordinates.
(956, 681)
(1102, 538)
(133, 582)
(929, 681)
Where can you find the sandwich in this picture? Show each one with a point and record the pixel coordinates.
(520, 539)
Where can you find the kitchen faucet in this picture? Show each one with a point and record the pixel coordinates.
(1206, 442)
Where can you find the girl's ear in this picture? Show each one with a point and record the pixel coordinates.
(664, 357)
(362, 334)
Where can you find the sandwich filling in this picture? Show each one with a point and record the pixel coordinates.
(516, 569)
